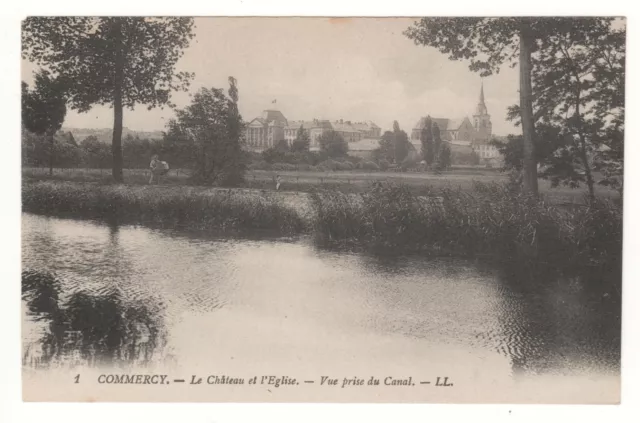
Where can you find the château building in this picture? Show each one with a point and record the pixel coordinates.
(266, 131)
(272, 127)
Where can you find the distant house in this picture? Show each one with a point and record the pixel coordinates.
(368, 129)
(348, 131)
(364, 148)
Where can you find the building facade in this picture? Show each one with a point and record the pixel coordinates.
(266, 131)
(272, 127)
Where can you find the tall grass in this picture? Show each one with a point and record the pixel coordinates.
(490, 219)
(219, 211)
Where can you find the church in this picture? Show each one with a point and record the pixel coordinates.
(464, 134)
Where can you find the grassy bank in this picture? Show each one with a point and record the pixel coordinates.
(307, 181)
(186, 207)
(488, 220)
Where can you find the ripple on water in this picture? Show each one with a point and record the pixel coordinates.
(443, 302)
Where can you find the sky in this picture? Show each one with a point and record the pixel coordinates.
(324, 68)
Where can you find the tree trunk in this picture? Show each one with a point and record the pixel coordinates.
(530, 166)
(587, 171)
(51, 153)
(116, 145)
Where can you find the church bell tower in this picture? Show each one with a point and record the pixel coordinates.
(482, 119)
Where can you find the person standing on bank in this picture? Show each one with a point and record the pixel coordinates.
(158, 169)
(278, 182)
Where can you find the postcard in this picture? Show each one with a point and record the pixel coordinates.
(326, 210)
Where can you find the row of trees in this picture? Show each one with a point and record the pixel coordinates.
(572, 80)
(396, 148)
(66, 152)
(205, 136)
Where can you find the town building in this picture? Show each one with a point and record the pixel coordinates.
(464, 133)
(266, 131)
(272, 127)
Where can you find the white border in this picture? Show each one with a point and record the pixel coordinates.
(13, 410)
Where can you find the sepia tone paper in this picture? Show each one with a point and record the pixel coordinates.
(328, 212)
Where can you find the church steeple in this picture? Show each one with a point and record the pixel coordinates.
(482, 119)
(481, 108)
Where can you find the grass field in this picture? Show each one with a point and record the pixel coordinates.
(343, 181)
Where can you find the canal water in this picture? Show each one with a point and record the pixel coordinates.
(239, 307)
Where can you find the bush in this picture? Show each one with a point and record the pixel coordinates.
(368, 165)
(284, 166)
(344, 166)
(384, 164)
(261, 165)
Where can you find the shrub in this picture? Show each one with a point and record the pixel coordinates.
(260, 165)
(344, 166)
(368, 165)
(284, 166)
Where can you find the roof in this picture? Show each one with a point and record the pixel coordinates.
(257, 122)
(367, 144)
(445, 124)
(343, 127)
(274, 115)
(365, 126)
(295, 124)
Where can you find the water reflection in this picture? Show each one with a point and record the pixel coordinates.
(88, 329)
(561, 322)
(127, 293)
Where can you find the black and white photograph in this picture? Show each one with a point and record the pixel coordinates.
(322, 209)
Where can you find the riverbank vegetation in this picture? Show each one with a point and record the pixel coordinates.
(491, 220)
(188, 208)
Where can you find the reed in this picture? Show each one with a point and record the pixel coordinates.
(183, 207)
(488, 220)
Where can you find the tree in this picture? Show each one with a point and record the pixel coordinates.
(574, 100)
(385, 150)
(281, 146)
(212, 126)
(302, 141)
(488, 43)
(44, 108)
(437, 144)
(426, 139)
(96, 154)
(332, 144)
(401, 143)
(444, 157)
(120, 61)
(578, 78)
(177, 146)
